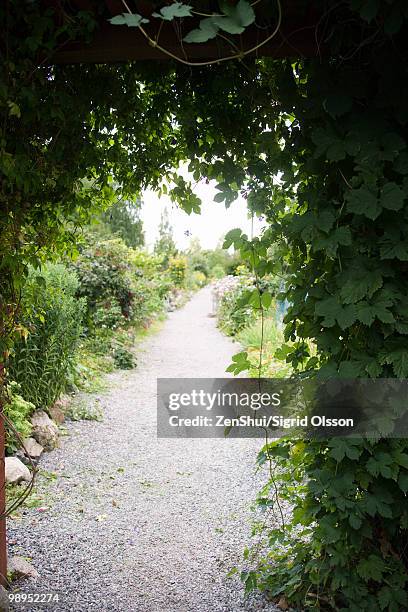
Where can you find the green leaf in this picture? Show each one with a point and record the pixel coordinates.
(325, 220)
(371, 568)
(229, 25)
(232, 237)
(355, 521)
(364, 202)
(239, 363)
(333, 311)
(399, 361)
(367, 312)
(401, 459)
(341, 448)
(350, 369)
(255, 299)
(245, 13)
(393, 248)
(207, 30)
(336, 151)
(347, 316)
(242, 13)
(341, 235)
(132, 20)
(14, 109)
(178, 9)
(266, 300)
(392, 197)
(220, 197)
(380, 464)
(392, 599)
(361, 284)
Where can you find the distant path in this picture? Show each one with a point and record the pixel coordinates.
(137, 524)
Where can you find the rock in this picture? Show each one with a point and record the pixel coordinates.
(4, 600)
(20, 568)
(32, 448)
(56, 413)
(45, 431)
(16, 471)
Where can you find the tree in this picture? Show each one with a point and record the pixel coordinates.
(122, 219)
(165, 245)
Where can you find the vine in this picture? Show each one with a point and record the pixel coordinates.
(232, 19)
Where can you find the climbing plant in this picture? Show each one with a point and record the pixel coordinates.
(319, 148)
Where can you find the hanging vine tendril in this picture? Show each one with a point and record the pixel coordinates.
(239, 55)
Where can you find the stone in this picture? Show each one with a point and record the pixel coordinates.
(57, 414)
(45, 431)
(16, 471)
(4, 600)
(20, 568)
(32, 448)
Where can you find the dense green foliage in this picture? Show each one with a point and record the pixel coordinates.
(122, 220)
(344, 541)
(42, 359)
(165, 246)
(17, 411)
(238, 301)
(334, 129)
(104, 275)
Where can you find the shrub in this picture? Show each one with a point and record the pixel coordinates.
(18, 411)
(148, 297)
(177, 268)
(252, 339)
(52, 316)
(123, 359)
(217, 272)
(81, 410)
(196, 280)
(228, 292)
(108, 315)
(104, 274)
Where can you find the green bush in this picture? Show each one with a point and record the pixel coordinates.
(229, 291)
(109, 315)
(52, 315)
(104, 274)
(122, 285)
(196, 280)
(256, 334)
(177, 268)
(217, 272)
(17, 410)
(148, 297)
(253, 339)
(123, 359)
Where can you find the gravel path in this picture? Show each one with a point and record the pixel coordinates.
(137, 524)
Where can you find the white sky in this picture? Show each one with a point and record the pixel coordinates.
(209, 227)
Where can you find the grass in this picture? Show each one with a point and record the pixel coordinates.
(251, 339)
(35, 500)
(81, 410)
(96, 354)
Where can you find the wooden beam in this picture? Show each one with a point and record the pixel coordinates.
(121, 44)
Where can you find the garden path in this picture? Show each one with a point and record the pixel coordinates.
(137, 524)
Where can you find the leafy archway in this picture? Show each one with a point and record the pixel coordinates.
(334, 129)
